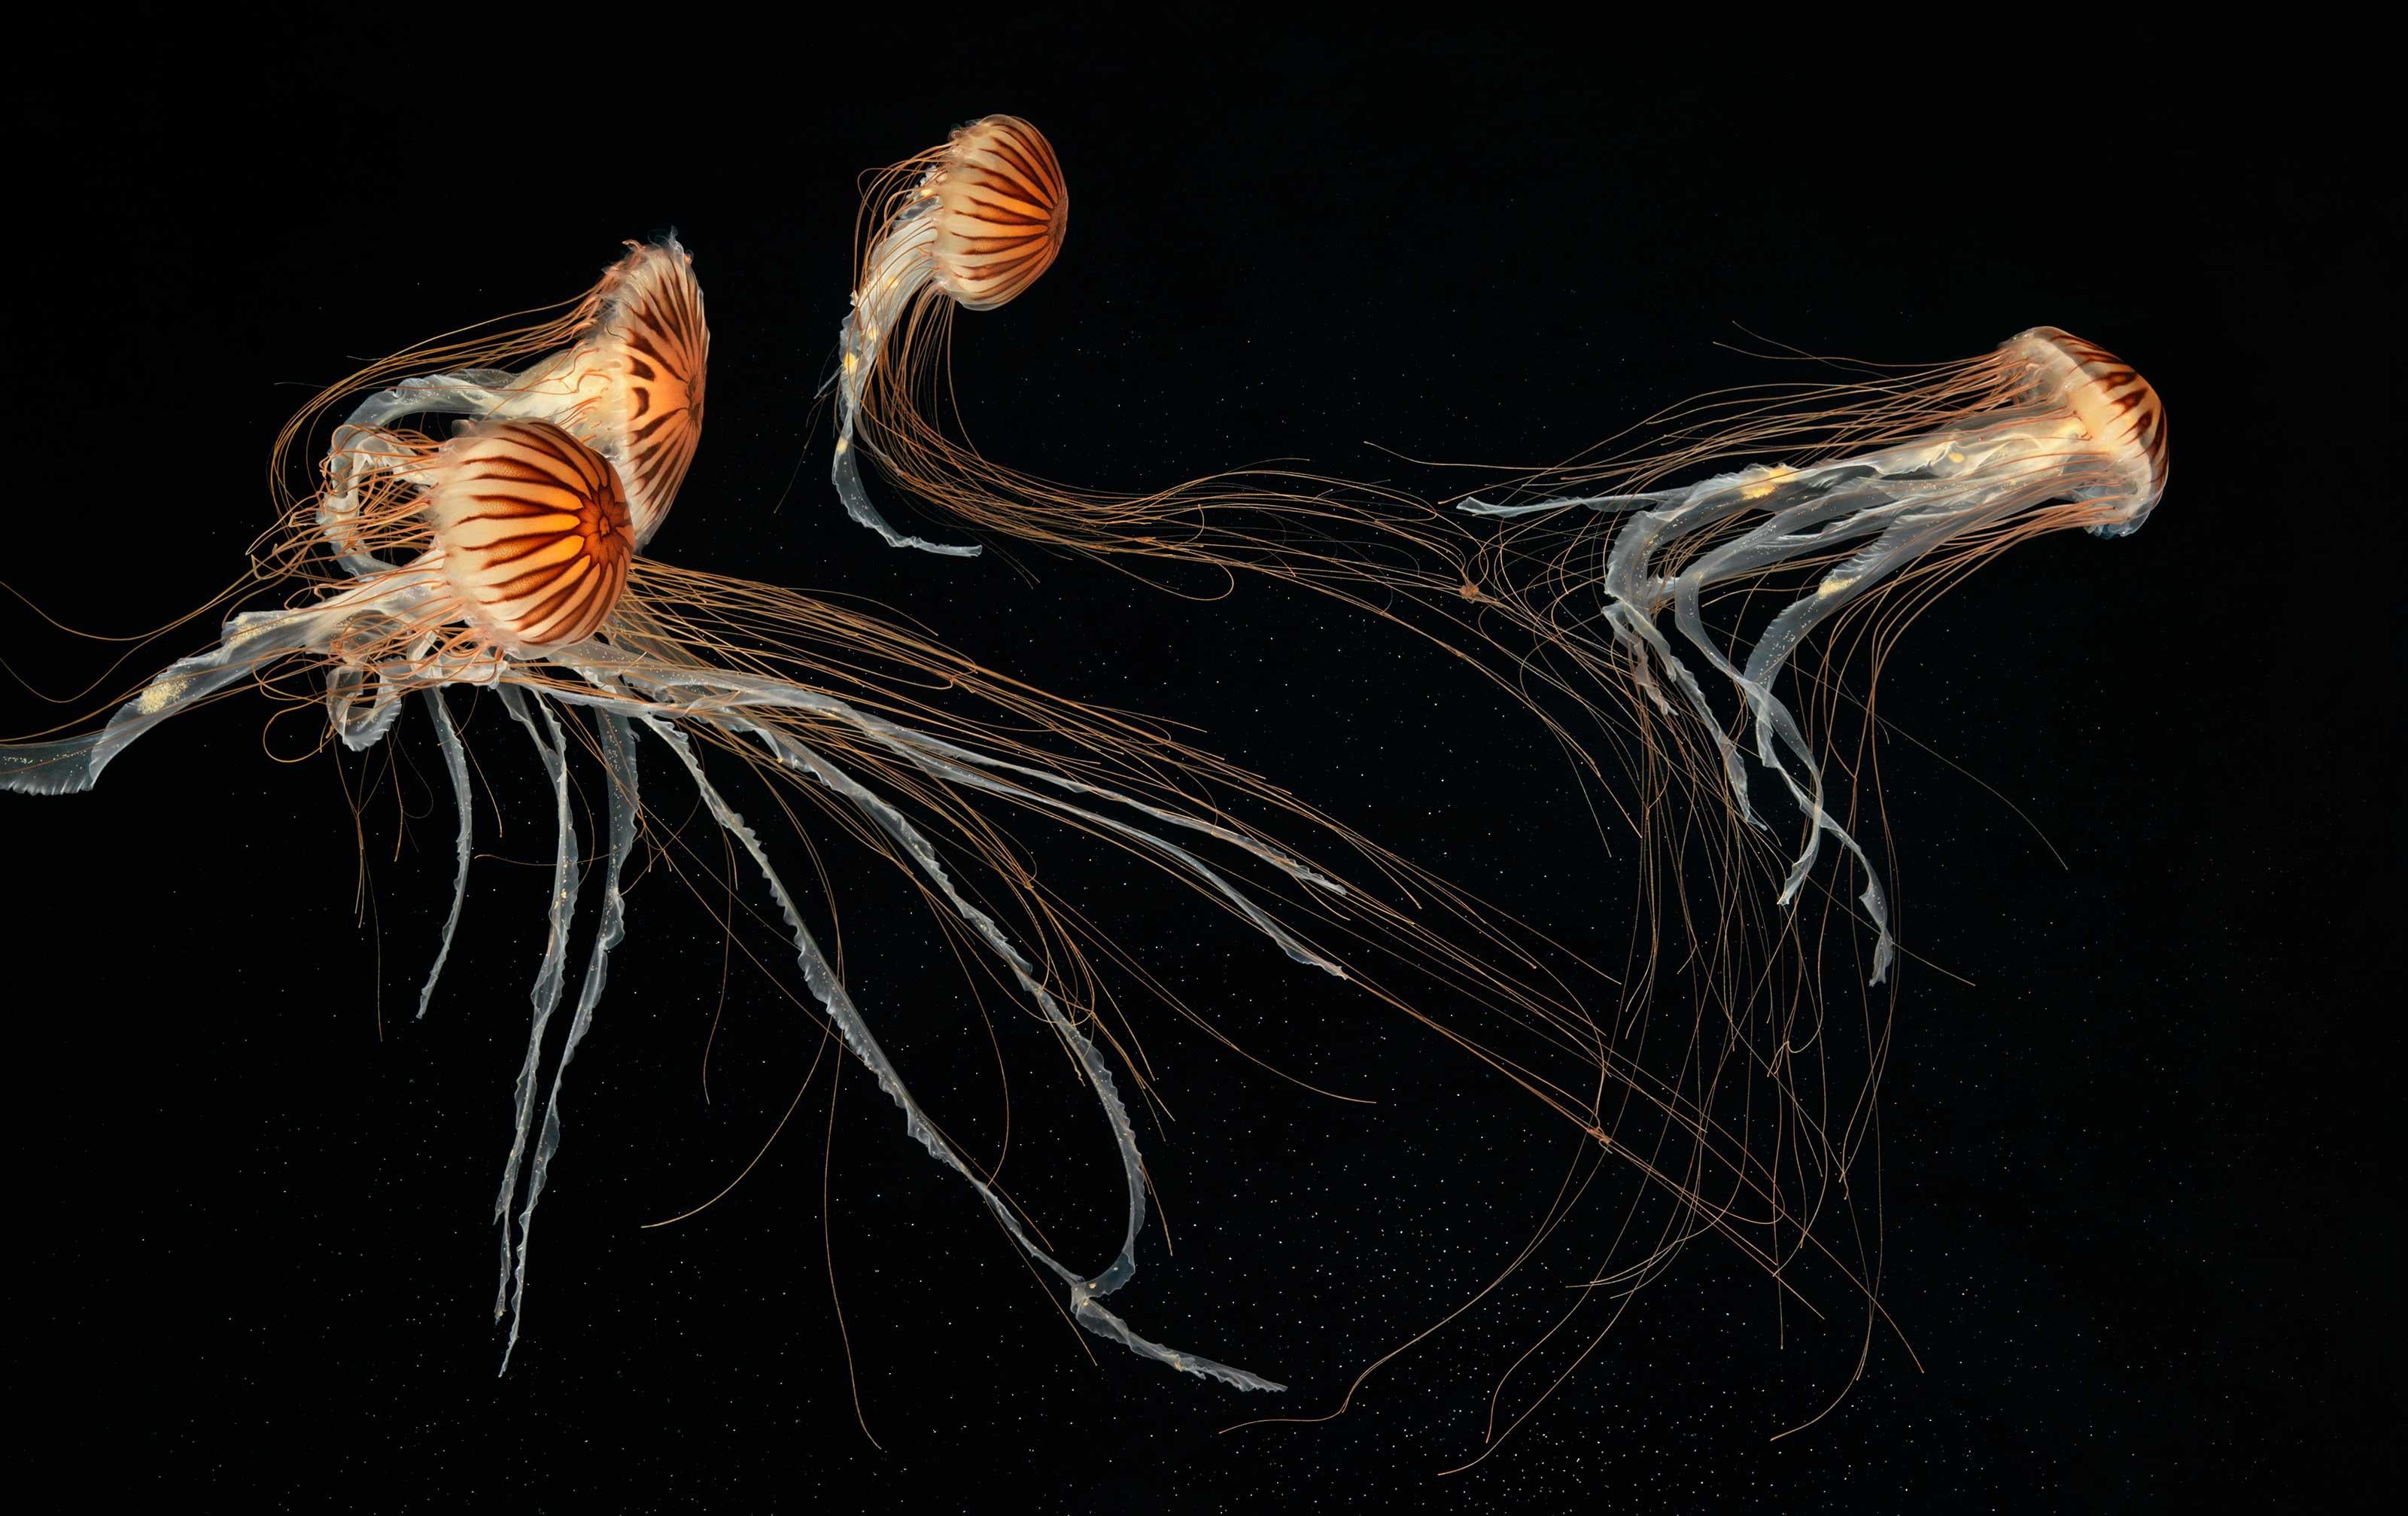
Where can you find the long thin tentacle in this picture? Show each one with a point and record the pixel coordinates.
(455, 763)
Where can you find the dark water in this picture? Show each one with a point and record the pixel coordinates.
(2133, 1155)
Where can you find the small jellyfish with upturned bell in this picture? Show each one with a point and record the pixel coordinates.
(971, 223)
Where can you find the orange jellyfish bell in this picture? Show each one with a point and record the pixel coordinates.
(632, 385)
(2116, 410)
(533, 530)
(1003, 208)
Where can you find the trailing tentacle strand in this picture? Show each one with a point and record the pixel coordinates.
(617, 740)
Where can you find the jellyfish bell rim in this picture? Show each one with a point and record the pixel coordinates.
(2117, 408)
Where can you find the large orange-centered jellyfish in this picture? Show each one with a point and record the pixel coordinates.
(503, 557)
(623, 370)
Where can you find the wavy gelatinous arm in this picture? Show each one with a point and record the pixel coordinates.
(251, 641)
(899, 271)
(618, 742)
(1083, 1293)
(549, 976)
(365, 447)
(819, 976)
(1893, 496)
(849, 489)
(455, 763)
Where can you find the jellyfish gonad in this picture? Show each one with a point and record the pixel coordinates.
(504, 557)
(1899, 483)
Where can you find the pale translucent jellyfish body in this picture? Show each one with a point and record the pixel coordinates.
(2050, 432)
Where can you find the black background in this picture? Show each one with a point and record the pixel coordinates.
(2139, 1204)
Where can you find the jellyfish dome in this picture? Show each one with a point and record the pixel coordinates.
(2116, 413)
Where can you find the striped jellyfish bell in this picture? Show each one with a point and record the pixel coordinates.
(534, 532)
(1002, 210)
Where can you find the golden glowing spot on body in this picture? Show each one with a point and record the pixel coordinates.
(842, 443)
(1772, 477)
(1835, 583)
(160, 695)
(851, 362)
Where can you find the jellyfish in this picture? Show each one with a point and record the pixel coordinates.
(1835, 503)
(975, 221)
(1910, 479)
(971, 224)
(505, 554)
